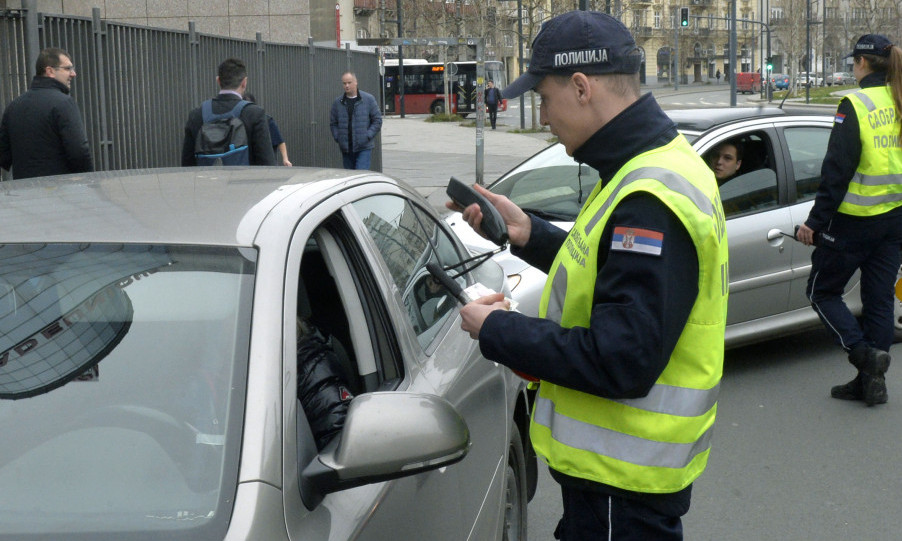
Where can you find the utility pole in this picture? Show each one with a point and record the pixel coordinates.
(733, 53)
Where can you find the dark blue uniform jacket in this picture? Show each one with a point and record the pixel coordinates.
(641, 302)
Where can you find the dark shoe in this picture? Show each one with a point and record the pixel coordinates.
(873, 382)
(849, 391)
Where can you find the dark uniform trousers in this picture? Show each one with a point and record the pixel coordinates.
(851, 243)
(588, 513)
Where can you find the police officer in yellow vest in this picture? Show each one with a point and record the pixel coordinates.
(856, 220)
(629, 345)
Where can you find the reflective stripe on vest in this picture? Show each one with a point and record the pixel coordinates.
(615, 444)
(876, 186)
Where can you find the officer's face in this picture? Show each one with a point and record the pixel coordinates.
(558, 110)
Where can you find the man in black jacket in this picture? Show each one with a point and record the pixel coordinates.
(232, 80)
(42, 132)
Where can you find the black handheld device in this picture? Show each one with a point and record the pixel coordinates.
(492, 223)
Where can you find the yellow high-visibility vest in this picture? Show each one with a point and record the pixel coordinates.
(659, 443)
(876, 186)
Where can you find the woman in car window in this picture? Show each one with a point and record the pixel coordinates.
(856, 220)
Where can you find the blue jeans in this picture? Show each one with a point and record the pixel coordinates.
(871, 245)
(592, 515)
(357, 160)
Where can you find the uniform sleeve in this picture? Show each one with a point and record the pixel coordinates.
(840, 163)
(71, 131)
(545, 239)
(641, 305)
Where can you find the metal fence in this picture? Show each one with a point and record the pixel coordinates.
(135, 85)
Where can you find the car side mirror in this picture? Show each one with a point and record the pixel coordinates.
(387, 436)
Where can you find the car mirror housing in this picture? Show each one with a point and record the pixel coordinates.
(388, 436)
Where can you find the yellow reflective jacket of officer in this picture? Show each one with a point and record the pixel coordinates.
(659, 443)
(876, 186)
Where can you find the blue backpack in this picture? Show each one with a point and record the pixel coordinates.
(222, 139)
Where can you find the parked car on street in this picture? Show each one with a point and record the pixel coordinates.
(779, 81)
(148, 367)
(773, 193)
(841, 78)
(814, 79)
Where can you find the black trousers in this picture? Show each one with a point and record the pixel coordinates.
(868, 244)
(592, 515)
(493, 113)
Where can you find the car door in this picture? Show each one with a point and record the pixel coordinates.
(805, 148)
(755, 203)
(362, 279)
(406, 238)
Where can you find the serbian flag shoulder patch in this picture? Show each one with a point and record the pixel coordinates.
(640, 241)
(839, 118)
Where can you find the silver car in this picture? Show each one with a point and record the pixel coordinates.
(148, 368)
(772, 193)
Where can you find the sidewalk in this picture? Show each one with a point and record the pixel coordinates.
(426, 154)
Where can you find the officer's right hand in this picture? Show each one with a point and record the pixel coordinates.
(518, 223)
(805, 235)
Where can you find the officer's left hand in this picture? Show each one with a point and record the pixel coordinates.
(473, 314)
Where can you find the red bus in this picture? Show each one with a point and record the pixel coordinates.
(424, 86)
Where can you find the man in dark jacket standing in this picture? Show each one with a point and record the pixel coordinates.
(492, 99)
(232, 80)
(42, 132)
(355, 121)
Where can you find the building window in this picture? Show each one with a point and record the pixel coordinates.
(657, 19)
(776, 13)
(508, 40)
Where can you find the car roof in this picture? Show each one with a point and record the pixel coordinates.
(196, 205)
(699, 120)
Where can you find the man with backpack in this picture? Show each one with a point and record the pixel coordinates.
(228, 130)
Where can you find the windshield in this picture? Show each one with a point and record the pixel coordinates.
(548, 184)
(121, 389)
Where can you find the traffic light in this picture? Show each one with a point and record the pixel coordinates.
(769, 65)
(684, 17)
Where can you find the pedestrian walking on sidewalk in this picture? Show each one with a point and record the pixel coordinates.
(492, 99)
(355, 121)
(41, 132)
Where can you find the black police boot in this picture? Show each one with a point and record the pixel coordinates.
(872, 365)
(849, 391)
